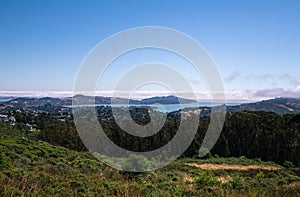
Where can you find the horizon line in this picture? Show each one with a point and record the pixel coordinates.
(204, 96)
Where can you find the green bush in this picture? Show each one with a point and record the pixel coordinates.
(288, 164)
(260, 175)
(136, 163)
(237, 181)
(206, 178)
(5, 161)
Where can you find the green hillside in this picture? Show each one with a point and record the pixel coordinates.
(30, 167)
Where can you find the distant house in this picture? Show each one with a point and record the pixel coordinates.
(3, 118)
(6, 118)
(12, 119)
(29, 126)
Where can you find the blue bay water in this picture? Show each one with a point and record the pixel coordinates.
(5, 99)
(162, 108)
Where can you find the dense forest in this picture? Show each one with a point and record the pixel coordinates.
(253, 134)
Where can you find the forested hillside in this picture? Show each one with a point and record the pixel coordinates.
(254, 134)
(31, 167)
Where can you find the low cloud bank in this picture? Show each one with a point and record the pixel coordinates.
(245, 95)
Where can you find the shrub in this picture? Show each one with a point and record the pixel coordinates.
(4, 160)
(136, 163)
(288, 164)
(205, 153)
(206, 178)
(237, 181)
(260, 175)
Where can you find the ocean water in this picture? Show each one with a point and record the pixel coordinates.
(5, 99)
(162, 108)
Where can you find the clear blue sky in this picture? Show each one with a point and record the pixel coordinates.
(255, 44)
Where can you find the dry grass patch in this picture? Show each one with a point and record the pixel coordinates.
(208, 166)
(187, 178)
(224, 179)
(189, 181)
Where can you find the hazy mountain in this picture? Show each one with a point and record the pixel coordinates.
(165, 100)
(277, 105)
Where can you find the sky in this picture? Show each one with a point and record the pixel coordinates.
(255, 44)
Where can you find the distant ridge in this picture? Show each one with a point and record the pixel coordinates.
(278, 105)
(48, 104)
(147, 101)
(166, 100)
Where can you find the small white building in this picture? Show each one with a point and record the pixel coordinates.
(29, 126)
(12, 119)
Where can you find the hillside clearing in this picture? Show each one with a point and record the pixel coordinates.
(210, 166)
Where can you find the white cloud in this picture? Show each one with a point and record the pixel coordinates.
(297, 89)
(252, 81)
(244, 95)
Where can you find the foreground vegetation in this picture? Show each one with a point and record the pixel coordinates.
(31, 167)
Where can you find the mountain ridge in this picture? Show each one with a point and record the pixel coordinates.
(280, 106)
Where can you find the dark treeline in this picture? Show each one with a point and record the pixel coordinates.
(264, 135)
